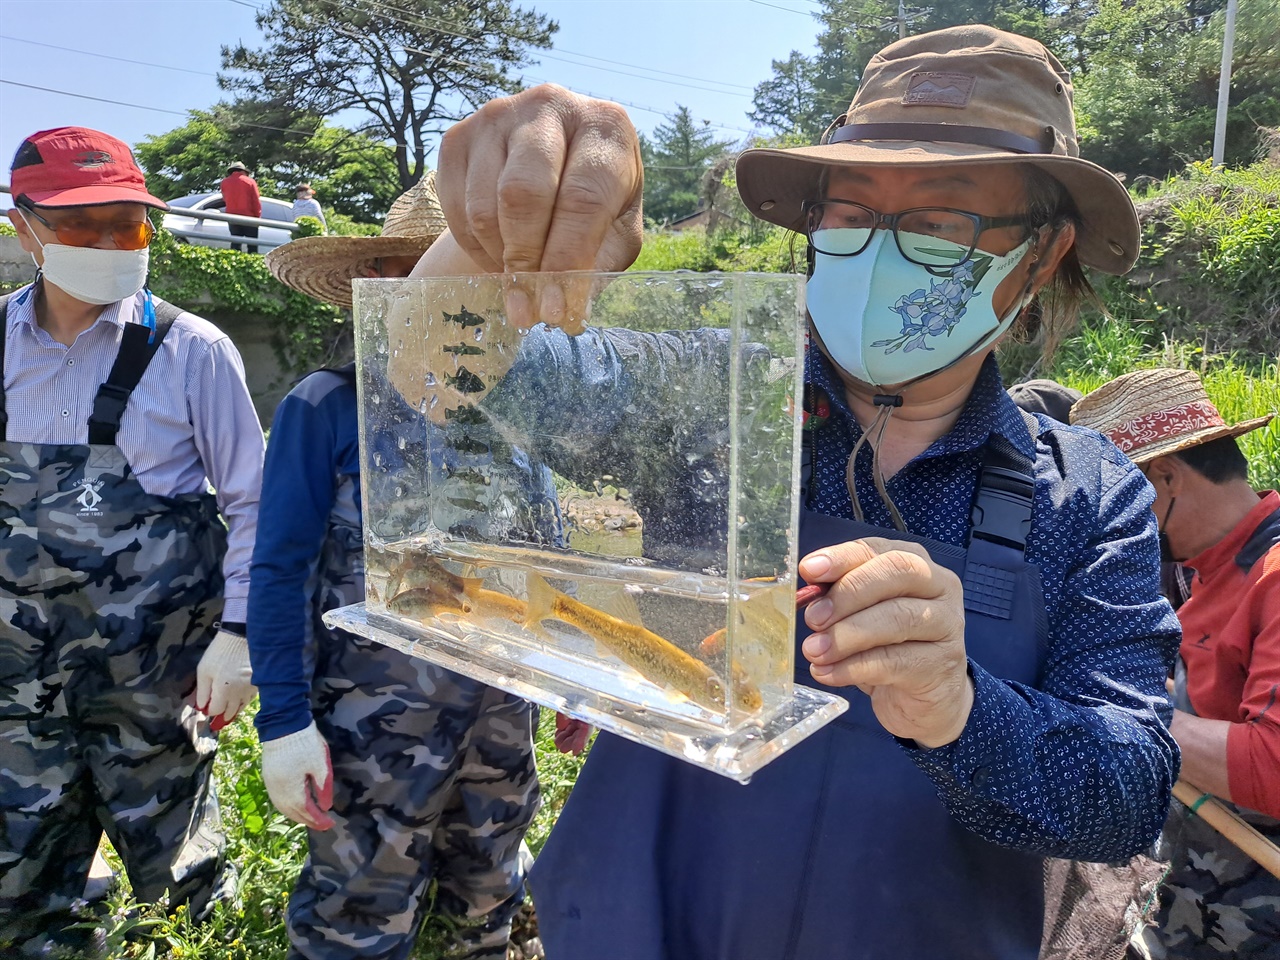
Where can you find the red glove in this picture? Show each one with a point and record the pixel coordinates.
(571, 735)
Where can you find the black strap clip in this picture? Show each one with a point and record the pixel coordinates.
(1002, 508)
(108, 408)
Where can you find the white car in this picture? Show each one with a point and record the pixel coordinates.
(185, 223)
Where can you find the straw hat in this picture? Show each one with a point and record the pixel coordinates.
(964, 95)
(1152, 413)
(323, 267)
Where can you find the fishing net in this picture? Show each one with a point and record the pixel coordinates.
(1093, 909)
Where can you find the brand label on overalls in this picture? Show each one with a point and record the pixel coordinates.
(90, 498)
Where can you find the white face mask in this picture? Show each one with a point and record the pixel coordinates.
(92, 275)
(885, 320)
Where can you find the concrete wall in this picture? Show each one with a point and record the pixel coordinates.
(268, 382)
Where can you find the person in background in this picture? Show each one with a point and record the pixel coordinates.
(1216, 902)
(240, 196)
(306, 204)
(119, 411)
(403, 772)
(1049, 397)
(992, 611)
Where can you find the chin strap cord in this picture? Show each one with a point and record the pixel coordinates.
(886, 404)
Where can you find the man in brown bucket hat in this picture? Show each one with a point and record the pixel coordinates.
(1217, 901)
(992, 611)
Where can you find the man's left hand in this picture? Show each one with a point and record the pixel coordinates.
(892, 624)
(224, 679)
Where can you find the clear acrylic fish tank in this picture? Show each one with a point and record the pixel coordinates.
(605, 522)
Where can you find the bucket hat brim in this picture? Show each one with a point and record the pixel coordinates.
(774, 182)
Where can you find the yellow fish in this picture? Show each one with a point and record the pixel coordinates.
(654, 658)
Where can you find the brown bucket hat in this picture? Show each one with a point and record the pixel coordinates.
(323, 267)
(964, 95)
(1152, 413)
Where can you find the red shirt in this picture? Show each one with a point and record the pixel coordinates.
(1231, 646)
(240, 191)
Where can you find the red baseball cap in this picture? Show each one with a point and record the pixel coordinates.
(78, 167)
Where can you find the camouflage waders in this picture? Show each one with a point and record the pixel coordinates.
(1216, 903)
(109, 595)
(434, 779)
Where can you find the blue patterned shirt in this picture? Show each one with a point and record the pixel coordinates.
(1083, 766)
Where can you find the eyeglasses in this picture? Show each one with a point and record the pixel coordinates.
(842, 228)
(127, 234)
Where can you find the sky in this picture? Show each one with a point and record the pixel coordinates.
(649, 55)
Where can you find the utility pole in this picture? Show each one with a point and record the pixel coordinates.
(902, 19)
(1224, 84)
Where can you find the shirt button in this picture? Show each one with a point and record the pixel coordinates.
(981, 776)
(71, 363)
(66, 413)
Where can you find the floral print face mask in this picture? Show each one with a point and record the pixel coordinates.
(885, 320)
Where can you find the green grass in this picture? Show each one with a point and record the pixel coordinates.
(1240, 387)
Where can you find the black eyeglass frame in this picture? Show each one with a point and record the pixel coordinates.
(106, 228)
(890, 222)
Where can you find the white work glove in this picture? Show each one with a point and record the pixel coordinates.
(224, 679)
(299, 777)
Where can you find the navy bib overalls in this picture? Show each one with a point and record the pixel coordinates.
(838, 850)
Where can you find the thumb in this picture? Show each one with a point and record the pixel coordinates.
(320, 798)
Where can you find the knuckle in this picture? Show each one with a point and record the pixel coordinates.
(905, 563)
(525, 190)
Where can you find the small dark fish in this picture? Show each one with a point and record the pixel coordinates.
(466, 414)
(464, 349)
(469, 475)
(464, 317)
(464, 381)
(467, 444)
(464, 503)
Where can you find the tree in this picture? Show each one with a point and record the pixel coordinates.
(1145, 71)
(675, 162)
(351, 173)
(787, 102)
(408, 70)
(1148, 103)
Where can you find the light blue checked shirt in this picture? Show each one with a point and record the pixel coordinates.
(189, 423)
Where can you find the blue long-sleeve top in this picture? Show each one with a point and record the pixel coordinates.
(310, 481)
(1080, 766)
(312, 484)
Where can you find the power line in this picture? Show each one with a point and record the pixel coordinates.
(104, 56)
(142, 106)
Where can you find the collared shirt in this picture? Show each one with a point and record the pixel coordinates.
(1231, 645)
(189, 423)
(1080, 766)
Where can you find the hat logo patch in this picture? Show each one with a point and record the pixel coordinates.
(93, 158)
(939, 89)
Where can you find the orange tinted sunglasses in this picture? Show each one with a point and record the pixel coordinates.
(127, 234)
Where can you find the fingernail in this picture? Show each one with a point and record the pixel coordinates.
(819, 673)
(818, 613)
(815, 566)
(519, 309)
(816, 644)
(551, 308)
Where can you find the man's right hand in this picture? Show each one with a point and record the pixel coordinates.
(299, 777)
(544, 181)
